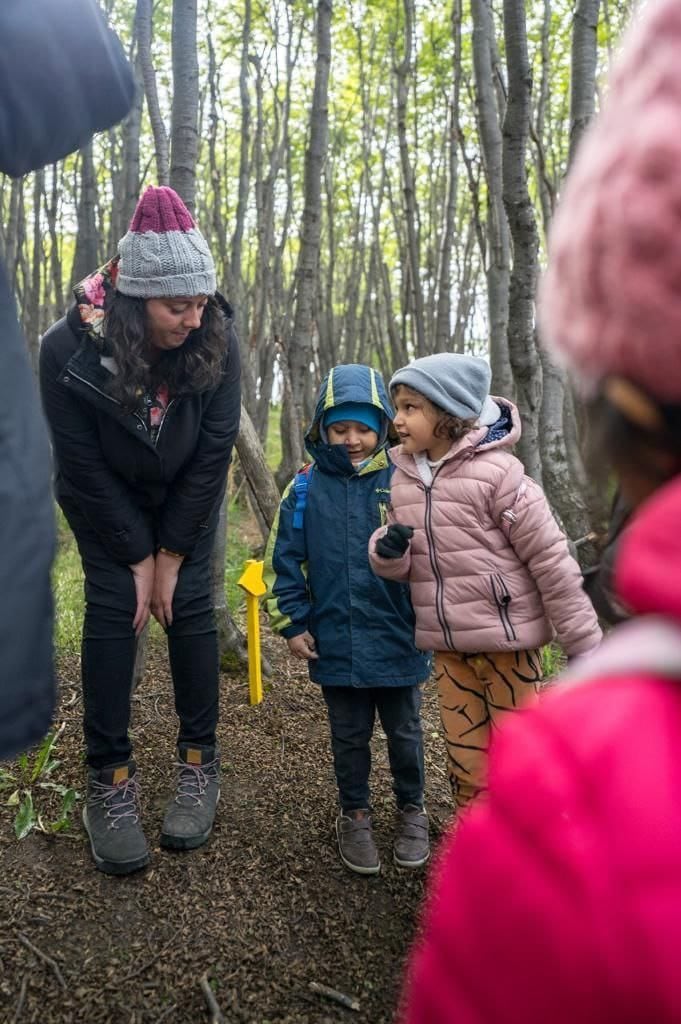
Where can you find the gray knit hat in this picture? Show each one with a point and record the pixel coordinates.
(164, 254)
(458, 384)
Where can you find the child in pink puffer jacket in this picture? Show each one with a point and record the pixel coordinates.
(490, 573)
(559, 898)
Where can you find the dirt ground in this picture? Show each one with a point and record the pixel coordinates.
(265, 908)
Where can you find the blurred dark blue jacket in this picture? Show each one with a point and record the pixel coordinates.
(63, 76)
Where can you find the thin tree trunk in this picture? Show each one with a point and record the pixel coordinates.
(184, 129)
(523, 227)
(85, 259)
(498, 269)
(263, 488)
(244, 163)
(130, 177)
(300, 352)
(12, 232)
(413, 264)
(143, 25)
(443, 322)
(583, 71)
(52, 213)
(33, 318)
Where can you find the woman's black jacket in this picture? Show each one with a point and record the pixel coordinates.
(107, 464)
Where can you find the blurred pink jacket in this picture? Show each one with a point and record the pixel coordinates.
(488, 567)
(559, 901)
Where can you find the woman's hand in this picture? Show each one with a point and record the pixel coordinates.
(165, 581)
(143, 574)
(302, 646)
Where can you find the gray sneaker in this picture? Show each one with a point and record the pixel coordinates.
(112, 819)
(356, 842)
(189, 817)
(412, 846)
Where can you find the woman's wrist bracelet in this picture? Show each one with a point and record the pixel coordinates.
(173, 554)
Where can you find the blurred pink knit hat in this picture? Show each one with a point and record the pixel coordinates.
(610, 301)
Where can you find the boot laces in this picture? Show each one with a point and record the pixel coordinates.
(193, 780)
(121, 800)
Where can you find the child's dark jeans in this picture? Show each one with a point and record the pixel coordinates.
(352, 711)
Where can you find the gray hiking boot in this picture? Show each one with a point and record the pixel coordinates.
(356, 842)
(190, 814)
(412, 846)
(112, 819)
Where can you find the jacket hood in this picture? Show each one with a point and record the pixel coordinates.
(93, 292)
(649, 558)
(91, 295)
(351, 382)
(502, 434)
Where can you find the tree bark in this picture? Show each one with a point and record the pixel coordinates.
(498, 269)
(85, 259)
(523, 228)
(184, 126)
(300, 351)
(414, 292)
(263, 489)
(52, 214)
(143, 26)
(34, 307)
(443, 321)
(244, 161)
(583, 71)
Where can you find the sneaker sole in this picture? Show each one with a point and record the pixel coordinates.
(114, 867)
(357, 868)
(413, 864)
(170, 842)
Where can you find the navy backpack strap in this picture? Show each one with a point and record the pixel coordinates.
(301, 482)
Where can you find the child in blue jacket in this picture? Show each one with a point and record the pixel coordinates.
(355, 630)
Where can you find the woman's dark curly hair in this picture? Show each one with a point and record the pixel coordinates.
(193, 367)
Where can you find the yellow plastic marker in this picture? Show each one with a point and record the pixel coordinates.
(252, 583)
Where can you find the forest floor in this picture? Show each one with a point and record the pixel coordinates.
(264, 908)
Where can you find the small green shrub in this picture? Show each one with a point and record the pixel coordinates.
(553, 660)
(30, 784)
(67, 587)
(238, 550)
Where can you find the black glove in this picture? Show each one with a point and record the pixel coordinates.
(395, 541)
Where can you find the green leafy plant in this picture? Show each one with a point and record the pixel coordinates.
(29, 782)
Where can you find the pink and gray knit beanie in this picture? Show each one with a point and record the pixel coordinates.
(610, 301)
(163, 253)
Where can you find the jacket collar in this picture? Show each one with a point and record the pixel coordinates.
(332, 458)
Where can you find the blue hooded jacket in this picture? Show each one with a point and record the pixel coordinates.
(318, 573)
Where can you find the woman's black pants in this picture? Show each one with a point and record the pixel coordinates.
(109, 647)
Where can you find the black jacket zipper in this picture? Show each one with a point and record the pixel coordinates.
(503, 599)
(70, 373)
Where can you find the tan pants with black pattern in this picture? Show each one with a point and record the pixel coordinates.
(476, 692)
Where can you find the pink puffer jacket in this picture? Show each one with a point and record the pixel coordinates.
(488, 567)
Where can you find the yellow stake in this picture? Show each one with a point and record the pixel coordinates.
(252, 583)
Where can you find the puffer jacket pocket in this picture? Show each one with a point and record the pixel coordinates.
(502, 599)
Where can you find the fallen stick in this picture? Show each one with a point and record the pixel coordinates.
(45, 959)
(349, 1002)
(22, 999)
(166, 1013)
(213, 1005)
